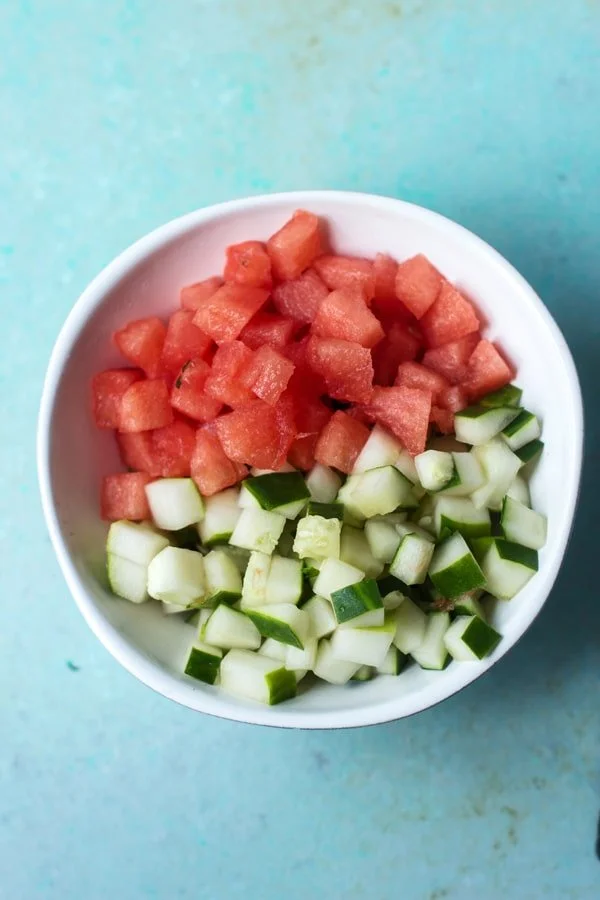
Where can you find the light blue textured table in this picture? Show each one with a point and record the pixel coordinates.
(116, 116)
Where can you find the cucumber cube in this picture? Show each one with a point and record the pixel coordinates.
(335, 574)
(411, 623)
(279, 489)
(137, 543)
(377, 492)
(327, 667)
(522, 430)
(354, 600)
(323, 483)
(519, 490)
(223, 579)
(454, 570)
(468, 476)
(325, 510)
(383, 539)
(469, 605)
(355, 549)
(530, 452)
(284, 582)
(365, 673)
(436, 470)
(318, 537)
(274, 649)
(283, 622)
(381, 449)
(174, 503)
(393, 662)
(366, 646)
(432, 653)
(257, 677)
(177, 576)
(412, 559)
(460, 514)
(298, 660)
(258, 529)
(477, 425)
(506, 396)
(254, 587)
(228, 628)
(203, 662)
(322, 617)
(500, 466)
(221, 512)
(508, 567)
(469, 638)
(522, 525)
(406, 466)
(127, 579)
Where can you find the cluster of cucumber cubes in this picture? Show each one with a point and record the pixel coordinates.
(287, 575)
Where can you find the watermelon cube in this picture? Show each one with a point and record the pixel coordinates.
(299, 298)
(267, 374)
(311, 416)
(145, 405)
(442, 419)
(141, 342)
(172, 449)
(137, 453)
(449, 318)
(486, 371)
(304, 380)
(415, 375)
(188, 395)
(295, 246)
(251, 435)
(285, 421)
(345, 366)
(341, 441)
(268, 328)
(399, 345)
(184, 341)
(453, 398)
(211, 469)
(405, 412)
(124, 497)
(194, 295)
(108, 388)
(224, 382)
(223, 315)
(385, 302)
(347, 273)
(417, 284)
(248, 263)
(450, 360)
(344, 314)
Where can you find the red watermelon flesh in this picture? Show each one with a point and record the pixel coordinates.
(285, 420)
(413, 374)
(108, 388)
(299, 299)
(267, 374)
(311, 416)
(304, 380)
(453, 398)
(136, 452)
(183, 341)
(417, 284)
(486, 371)
(345, 366)
(210, 467)
(188, 395)
(405, 412)
(194, 295)
(123, 496)
(224, 383)
(442, 419)
(341, 441)
(399, 345)
(172, 449)
(141, 342)
(347, 273)
(248, 263)
(295, 246)
(268, 328)
(450, 318)
(385, 303)
(450, 360)
(145, 405)
(344, 314)
(250, 435)
(223, 315)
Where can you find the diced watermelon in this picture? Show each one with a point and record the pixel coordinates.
(267, 374)
(347, 272)
(223, 315)
(188, 395)
(250, 435)
(417, 284)
(295, 246)
(442, 419)
(453, 398)
(268, 328)
(346, 367)
(450, 318)
(344, 314)
(108, 388)
(405, 412)
(311, 416)
(248, 263)
(385, 303)
(211, 469)
(413, 374)
(141, 342)
(450, 360)
(194, 295)
(224, 383)
(124, 497)
(184, 341)
(172, 449)
(145, 405)
(399, 345)
(285, 421)
(304, 380)
(486, 371)
(299, 299)
(137, 452)
(341, 441)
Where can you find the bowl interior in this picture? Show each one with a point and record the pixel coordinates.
(146, 280)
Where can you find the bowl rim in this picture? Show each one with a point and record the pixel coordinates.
(132, 659)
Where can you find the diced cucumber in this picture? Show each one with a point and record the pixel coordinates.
(432, 653)
(318, 537)
(203, 662)
(177, 576)
(274, 649)
(468, 475)
(381, 449)
(247, 500)
(327, 667)
(254, 587)
(238, 557)
(284, 582)
(500, 466)
(411, 562)
(393, 599)
(355, 549)
(469, 639)
(198, 618)
(277, 490)
(366, 646)
(282, 621)
(127, 579)
(257, 677)
(506, 396)
(377, 492)
(355, 600)
(406, 466)
(393, 662)
(383, 539)
(405, 528)
(223, 579)
(365, 673)
(468, 604)
(530, 452)
(221, 512)
(137, 543)
(325, 510)
(228, 628)
(334, 575)
(286, 467)
(373, 618)
(258, 529)
(508, 567)
(448, 443)
(436, 470)
(169, 609)
(174, 503)
(460, 514)
(411, 623)
(311, 566)
(285, 545)
(477, 425)
(454, 570)
(323, 483)
(522, 430)
(187, 538)
(519, 490)
(522, 525)
(322, 616)
(301, 660)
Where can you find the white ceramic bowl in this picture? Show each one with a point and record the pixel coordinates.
(145, 279)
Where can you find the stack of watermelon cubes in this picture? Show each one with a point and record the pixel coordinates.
(291, 356)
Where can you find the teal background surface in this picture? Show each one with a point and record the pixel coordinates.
(117, 116)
